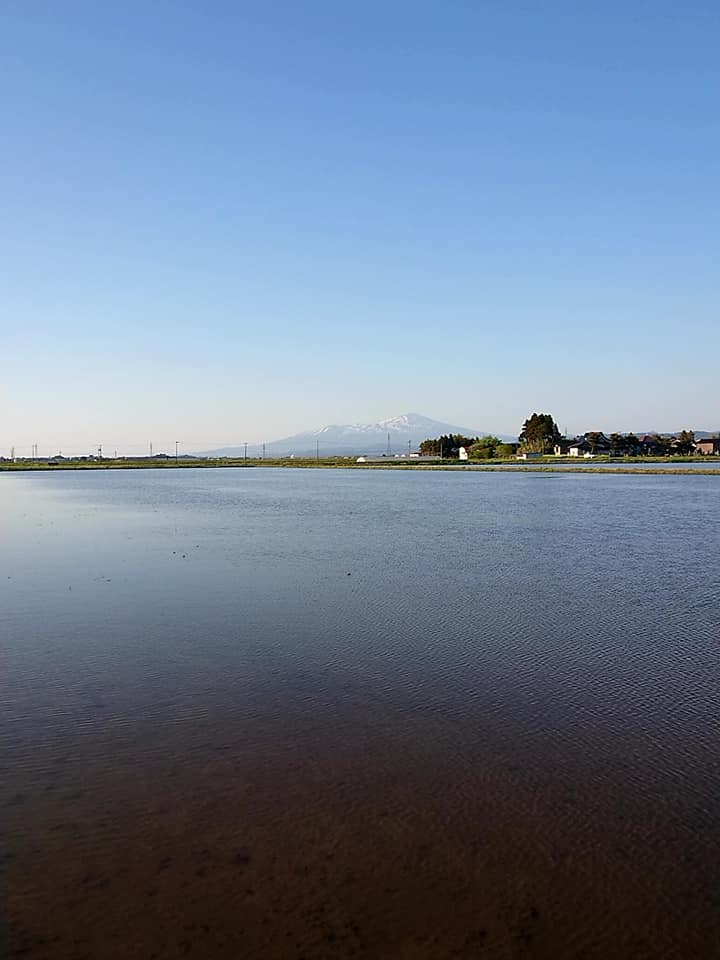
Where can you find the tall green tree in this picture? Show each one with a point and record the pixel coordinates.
(685, 442)
(539, 433)
(660, 446)
(617, 444)
(632, 444)
(593, 438)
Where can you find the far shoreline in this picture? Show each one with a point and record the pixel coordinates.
(678, 467)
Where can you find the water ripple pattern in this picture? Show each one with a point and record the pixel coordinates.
(319, 714)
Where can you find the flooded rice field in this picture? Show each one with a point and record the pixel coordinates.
(328, 714)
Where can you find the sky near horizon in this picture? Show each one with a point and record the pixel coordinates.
(229, 221)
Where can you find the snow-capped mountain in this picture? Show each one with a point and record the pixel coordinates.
(357, 438)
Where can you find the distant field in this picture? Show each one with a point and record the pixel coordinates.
(628, 466)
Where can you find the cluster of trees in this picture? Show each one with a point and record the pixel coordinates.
(490, 448)
(627, 444)
(539, 434)
(478, 448)
(447, 445)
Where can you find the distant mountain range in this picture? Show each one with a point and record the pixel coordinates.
(699, 434)
(396, 434)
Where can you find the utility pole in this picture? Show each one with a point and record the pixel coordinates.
(408, 447)
(246, 452)
(317, 449)
(151, 453)
(176, 452)
(388, 449)
(263, 456)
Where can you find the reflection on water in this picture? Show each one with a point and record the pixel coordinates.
(320, 714)
(708, 463)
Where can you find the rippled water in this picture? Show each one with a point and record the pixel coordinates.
(322, 714)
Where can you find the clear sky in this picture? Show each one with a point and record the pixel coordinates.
(235, 220)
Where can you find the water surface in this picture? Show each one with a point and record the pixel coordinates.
(318, 714)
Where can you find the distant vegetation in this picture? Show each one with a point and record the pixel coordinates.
(478, 448)
(540, 435)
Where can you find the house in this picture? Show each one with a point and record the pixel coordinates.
(588, 445)
(528, 456)
(579, 448)
(708, 446)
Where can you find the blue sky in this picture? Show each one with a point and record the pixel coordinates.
(228, 221)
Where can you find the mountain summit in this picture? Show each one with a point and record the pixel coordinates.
(346, 439)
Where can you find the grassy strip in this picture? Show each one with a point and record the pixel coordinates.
(508, 466)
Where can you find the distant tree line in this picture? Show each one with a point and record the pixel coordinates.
(540, 434)
(478, 448)
(448, 445)
(630, 445)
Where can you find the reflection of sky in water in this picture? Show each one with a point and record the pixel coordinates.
(422, 643)
(535, 578)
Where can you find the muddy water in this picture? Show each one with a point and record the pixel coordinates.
(323, 714)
